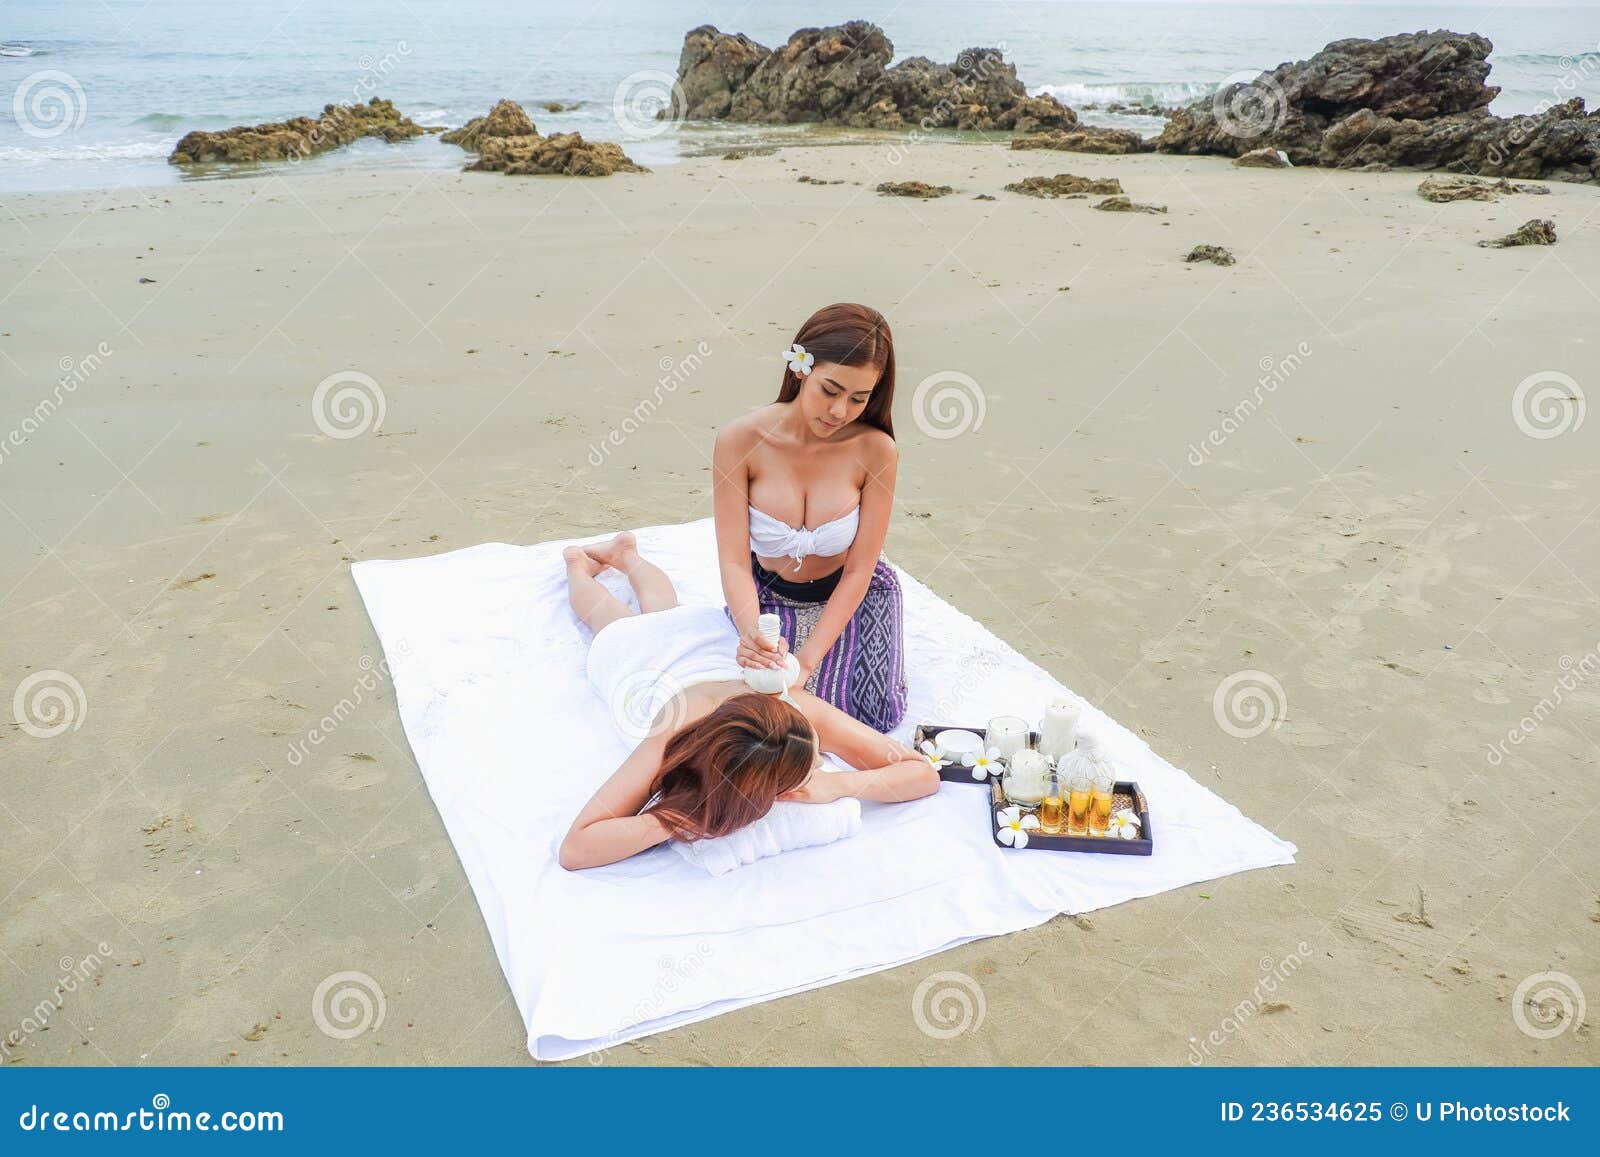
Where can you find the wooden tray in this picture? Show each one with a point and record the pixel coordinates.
(1124, 794)
(955, 772)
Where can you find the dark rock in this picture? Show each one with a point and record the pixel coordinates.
(1087, 139)
(1215, 254)
(1263, 159)
(1124, 205)
(806, 179)
(300, 137)
(1454, 188)
(1064, 185)
(1535, 232)
(711, 67)
(914, 189)
(840, 75)
(984, 197)
(1417, 100)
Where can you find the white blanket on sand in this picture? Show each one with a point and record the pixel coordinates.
(488, 665)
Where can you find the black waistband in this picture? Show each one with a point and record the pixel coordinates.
(817, 590)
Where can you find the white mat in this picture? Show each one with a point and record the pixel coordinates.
(488, 667)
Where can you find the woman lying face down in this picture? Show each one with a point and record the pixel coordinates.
(718, 755)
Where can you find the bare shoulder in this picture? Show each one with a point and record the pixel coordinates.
(876, 449)
(747, 430)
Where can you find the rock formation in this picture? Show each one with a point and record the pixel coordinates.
(1064, 185)
(1124, 205)
(1453, 188)
(506, 141)
(1535, 232)
(1087, 139)
(919, 189)
(1417, 100)
(300, 137)
(840, 75)
(1263, 159)
(1216, 254)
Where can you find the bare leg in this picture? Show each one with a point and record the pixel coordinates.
(649, 581)
(592, 603)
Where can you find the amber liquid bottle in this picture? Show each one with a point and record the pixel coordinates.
(1051, 808)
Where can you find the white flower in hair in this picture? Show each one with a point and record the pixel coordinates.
(799, 360)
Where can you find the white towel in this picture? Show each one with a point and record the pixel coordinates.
(488, 664)
(786, 828)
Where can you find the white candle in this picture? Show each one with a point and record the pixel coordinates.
(1026, 778)
(1058, 729)
(1006, 734)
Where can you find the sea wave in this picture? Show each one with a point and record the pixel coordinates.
(104, 151)
(15, 50)
(1162, 93)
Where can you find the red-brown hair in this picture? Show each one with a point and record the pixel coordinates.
(847, 334)
(725, 770)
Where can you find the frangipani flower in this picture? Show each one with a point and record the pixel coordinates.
(933, 755)
(985, 764)
(1124, 824)
(1015, 824)
(799, 360)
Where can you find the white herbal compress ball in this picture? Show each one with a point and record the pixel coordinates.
(765, 679)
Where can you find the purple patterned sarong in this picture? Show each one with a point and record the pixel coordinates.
(863, 673)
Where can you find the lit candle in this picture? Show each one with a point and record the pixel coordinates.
(1058, 730)
(1026, 778)
(1006, 734)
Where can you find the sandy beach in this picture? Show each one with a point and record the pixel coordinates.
(1322, 464)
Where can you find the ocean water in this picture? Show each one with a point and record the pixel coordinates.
(95, 94)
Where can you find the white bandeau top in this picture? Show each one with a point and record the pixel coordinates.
(772, 538)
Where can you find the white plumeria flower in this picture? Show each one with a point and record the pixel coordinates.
(1015, 826)
(1124, 824)
(986, 764)
(799, 360)
(933, 755)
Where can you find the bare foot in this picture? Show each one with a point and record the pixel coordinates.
(615, 552)
(576, 556)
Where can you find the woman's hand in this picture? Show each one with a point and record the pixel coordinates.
(821, 787)
(755, 651)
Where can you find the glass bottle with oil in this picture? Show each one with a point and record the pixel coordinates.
(1051, 808)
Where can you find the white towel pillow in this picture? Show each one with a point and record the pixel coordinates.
(786, 827)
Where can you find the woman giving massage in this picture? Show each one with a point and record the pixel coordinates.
(803, 489)
(717, 755)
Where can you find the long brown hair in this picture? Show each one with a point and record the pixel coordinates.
(725, 770)
(847, 334)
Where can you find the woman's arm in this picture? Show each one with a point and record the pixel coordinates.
(610, 828)
(877, 504)
(730, 493)
(888, 771)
